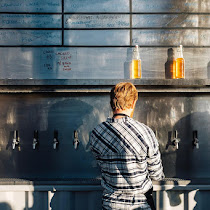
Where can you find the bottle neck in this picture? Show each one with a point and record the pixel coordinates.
(180, 52)
(136, 53)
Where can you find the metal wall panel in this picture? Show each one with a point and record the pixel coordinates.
(106, 27)
(97, 21)
(171, 6)
(30, 21)
(96, 63)
(67, 112)
(32, 37)
(30, 6)
(170, 20)
(62, 113)
(171, 37)
(96, 6)
(97, 38)
(184, 114)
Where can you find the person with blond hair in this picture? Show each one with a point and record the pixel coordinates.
(127, 152)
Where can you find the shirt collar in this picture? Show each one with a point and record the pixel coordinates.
(119, 120)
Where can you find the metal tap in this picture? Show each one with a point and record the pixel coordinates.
(55, 140)
(76, 139)
(175, 141)
(195, 141)
(35, 140)
(16, 140)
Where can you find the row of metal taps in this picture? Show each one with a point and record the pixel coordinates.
(175, 140)
(35, 143)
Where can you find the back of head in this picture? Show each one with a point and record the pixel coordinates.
(123, 95)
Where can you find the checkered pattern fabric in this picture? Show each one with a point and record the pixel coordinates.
(127, 152)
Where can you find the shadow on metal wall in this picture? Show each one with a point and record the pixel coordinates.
(5, 206)
(66, 115)
(62, 113)
(179, 199)
(191, 161)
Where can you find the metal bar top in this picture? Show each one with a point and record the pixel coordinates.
(106, 82)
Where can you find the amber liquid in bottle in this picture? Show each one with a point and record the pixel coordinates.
(136, 64)
(136, 69)
(170, 65)
(173, 69)
(180, 67)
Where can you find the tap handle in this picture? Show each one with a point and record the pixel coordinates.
(55, 145)
(195, 139)
(55, 139)
(55, 134)
(76, 135)
(15, 134)
(175, 134)
(36, 134)
(76, 139)
(195, 134)
(15, 139)
(35, 140)
(76, 143)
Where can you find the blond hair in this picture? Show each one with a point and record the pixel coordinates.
(123, 95)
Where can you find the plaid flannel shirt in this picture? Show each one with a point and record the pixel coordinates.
(127, 152)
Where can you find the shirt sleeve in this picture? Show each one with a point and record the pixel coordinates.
(154, 163)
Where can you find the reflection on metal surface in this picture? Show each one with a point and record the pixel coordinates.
(11, 118)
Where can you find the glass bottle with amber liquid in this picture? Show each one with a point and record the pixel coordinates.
(180, 64)
(170, 65)
(136, 63)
